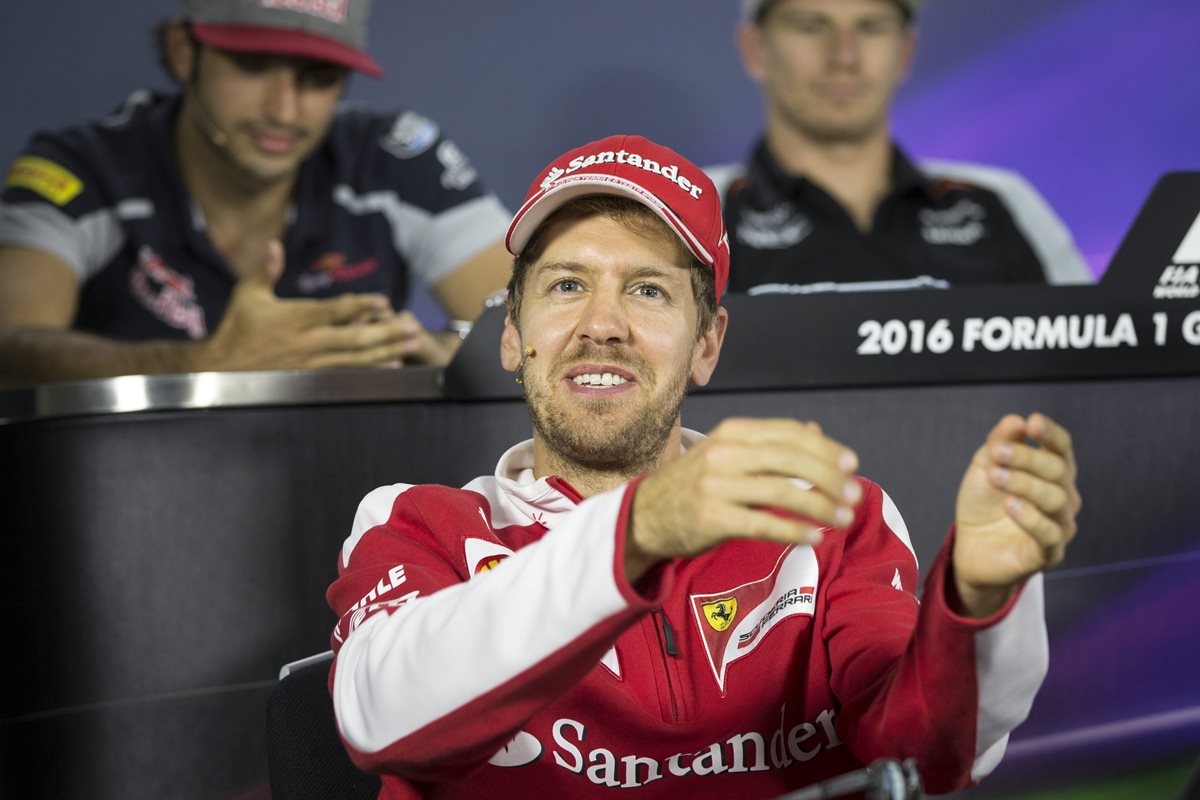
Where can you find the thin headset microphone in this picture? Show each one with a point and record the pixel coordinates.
(204, 118)
(207, 122)
(526, 352)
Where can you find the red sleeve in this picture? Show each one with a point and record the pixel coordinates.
(917, 680)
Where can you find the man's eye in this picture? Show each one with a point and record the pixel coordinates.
(877, 27)
(566, 285)
(649, 290)
(322, 77)
(807, 25)
(253, 63)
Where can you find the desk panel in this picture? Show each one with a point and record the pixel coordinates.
(170, 562)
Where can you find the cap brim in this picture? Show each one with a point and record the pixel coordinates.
(258, 39)
(538, 208)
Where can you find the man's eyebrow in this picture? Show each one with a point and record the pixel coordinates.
(561, 268)
(580, 268)
(810, 14)
(575, 267)
(660, 273)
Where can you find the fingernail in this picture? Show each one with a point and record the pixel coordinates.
(1001, 476)
(1013, 505)
(847, 461)
(851, 491)
(1037, 426)
(1004, 453)
(843, 516)
(816, 536)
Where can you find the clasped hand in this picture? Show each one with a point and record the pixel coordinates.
(262, 331)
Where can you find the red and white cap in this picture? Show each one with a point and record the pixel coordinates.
(324, 30)
(631, 166)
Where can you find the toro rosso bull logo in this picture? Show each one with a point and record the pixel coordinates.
(165, 293)
(333, 268)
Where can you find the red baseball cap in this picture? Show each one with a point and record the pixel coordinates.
(631, 166)
(334, 31)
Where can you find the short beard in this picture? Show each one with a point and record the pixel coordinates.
(634, 448)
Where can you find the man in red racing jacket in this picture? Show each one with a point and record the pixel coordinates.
(628, 608)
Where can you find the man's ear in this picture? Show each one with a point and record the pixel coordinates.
(180, 51)
(708, 348)
(749, 44)
(510, 345)
(908, 54)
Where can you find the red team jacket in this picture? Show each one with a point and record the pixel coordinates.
(490, 646)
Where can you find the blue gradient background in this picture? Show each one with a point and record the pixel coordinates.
(1091, 100)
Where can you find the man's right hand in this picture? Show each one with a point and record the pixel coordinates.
(724, 487)
(262, 331)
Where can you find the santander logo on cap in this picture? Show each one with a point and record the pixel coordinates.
(332, 10)
(670, 172)
(631, 166)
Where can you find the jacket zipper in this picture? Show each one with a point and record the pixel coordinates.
(668, 635)
(672, 650)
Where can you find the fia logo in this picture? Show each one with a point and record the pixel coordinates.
(1181, 279)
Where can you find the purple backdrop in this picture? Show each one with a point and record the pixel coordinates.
(1091, 99)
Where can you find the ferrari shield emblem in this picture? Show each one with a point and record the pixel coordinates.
(720, 613)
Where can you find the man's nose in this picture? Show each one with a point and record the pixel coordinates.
(604, 320)
(845, 48)
(283, 96)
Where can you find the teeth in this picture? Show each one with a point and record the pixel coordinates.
(599, 379)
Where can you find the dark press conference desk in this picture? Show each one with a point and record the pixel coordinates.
(167, 540)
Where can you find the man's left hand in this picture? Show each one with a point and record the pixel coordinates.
(1016, 510)
(419, 345)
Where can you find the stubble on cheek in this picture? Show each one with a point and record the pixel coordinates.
(605, 434)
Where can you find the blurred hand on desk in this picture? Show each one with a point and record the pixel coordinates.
(262, 331)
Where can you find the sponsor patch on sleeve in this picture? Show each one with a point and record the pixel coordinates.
(55, 183)
(411, 135)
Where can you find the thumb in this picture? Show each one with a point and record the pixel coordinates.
(272, 267)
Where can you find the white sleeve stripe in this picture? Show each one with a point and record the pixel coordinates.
(398, 674)
(462, 233)
(1046, 233)
(895, 523)
(434, 245)
(1011, 660)
(86, 244)
(374, 509)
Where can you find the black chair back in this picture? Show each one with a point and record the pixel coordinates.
(306, 758)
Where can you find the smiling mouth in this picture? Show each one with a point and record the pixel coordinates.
(275, 144)
(598, 380)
